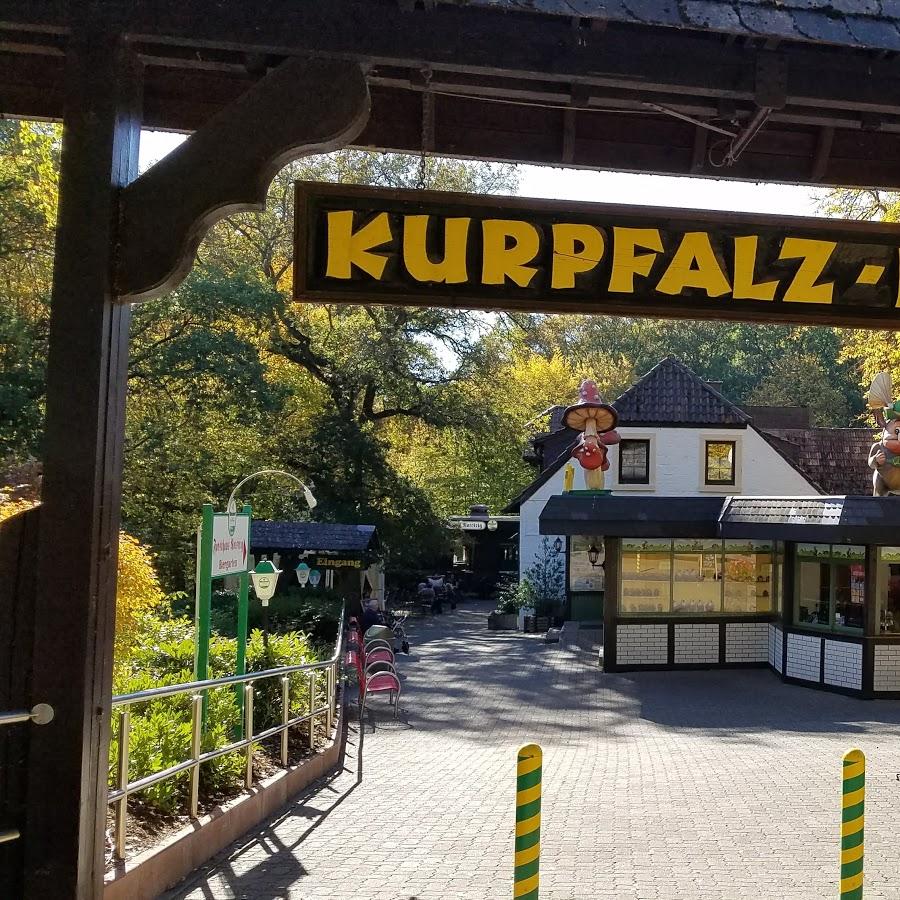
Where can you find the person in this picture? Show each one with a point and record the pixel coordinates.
(371, 615)
(427, 594)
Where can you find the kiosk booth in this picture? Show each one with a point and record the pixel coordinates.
(808, 586)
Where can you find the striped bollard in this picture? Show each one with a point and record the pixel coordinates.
(528, 822)
(852, 821)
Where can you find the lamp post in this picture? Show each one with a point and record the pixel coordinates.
(231, 509)
(265, 580)
(307, 493)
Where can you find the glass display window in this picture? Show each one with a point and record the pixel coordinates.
(830, 587)
(697, 576)
(646, 577)
(888, 590)
(748, 577)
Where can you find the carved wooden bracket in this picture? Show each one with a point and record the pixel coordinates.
(304, 106)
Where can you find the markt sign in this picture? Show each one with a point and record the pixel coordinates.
(419, 248)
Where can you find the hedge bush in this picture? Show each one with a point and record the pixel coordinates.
(160, 730)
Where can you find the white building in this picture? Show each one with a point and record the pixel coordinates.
(681, 437)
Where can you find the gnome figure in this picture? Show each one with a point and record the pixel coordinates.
(596, 421)
(884, 457)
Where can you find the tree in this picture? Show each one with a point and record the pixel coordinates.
(29, 158)
(739, 356)
(869, 352)
(138, 592)
(798, 379)
(544, 580)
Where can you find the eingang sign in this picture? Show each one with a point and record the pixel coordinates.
(371, 245)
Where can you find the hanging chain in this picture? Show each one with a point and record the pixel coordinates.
(427, 126)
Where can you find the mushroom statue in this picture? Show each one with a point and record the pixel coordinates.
(596, 421)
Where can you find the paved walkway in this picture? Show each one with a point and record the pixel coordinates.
(677, 786)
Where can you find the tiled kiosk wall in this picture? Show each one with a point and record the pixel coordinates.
(887, 667)
(812, 659)
(696, 643)
(746, 642)
(676, 644)
(642, 645)
(824, 661)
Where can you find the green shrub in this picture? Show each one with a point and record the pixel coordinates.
(290, 649)
(512, 597)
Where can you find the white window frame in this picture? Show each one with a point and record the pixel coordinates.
(737, 437)
(650, 486)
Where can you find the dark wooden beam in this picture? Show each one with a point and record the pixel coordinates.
(463, 38)
(460, 38)
(78, 543)
(302, 107)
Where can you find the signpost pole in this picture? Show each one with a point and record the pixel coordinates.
(204, 601)
(243, 611)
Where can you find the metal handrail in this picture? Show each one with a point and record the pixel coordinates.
(325, 707)
(40, 714)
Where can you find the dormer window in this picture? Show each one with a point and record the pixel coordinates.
(720, 462)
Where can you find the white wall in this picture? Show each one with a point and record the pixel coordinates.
(677, 457)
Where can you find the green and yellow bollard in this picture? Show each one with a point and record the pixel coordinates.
(852, 821)
(528, 822)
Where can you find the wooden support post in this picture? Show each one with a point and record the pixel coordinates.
(64, 829)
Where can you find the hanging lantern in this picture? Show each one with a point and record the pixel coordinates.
(594, 555)
(265, 580)
(557, 546)
(315, 576)
(303, 571)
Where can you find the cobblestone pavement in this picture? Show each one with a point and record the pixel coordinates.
(678, 786)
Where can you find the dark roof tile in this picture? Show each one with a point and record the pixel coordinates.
(655, 12)
(866, 23)
(834, 459)
(768, 20)
(711, 14)
(671, 394)
(818, 27)
(875, 32)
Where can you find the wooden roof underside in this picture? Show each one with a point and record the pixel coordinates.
(508, 83)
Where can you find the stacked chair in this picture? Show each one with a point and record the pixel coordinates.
(373, 658)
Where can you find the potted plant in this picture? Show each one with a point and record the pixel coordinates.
(505, 616)
(544, 588)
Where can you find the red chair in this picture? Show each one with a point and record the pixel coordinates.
(381, 678)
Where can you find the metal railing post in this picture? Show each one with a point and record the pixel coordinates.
(248, 733)
(285, 716)
(196, 743)
(124, 765)
(329, 699)
(312, 707)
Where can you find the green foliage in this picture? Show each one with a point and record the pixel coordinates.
(799, 379)
(544, 580)
(513, 596)
(284, 650)
(160, 730)
(29, 155)
(740, 356)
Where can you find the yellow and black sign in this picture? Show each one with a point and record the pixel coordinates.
(421, 248)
